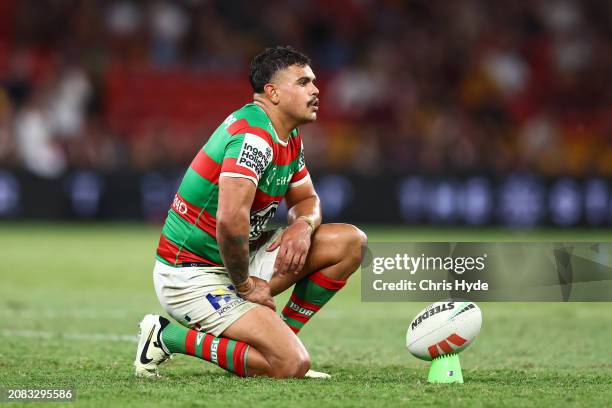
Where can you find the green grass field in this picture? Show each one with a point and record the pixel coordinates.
(71, 297)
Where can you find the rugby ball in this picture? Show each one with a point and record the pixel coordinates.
(443, 328)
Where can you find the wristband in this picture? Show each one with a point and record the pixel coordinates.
(308, 221)
(250, 286)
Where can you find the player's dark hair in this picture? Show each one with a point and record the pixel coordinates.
(272, 60)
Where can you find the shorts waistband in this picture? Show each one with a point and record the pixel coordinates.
(193, 265)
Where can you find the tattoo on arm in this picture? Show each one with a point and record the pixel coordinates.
(235, 254)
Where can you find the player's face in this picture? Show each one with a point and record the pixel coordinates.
(298, 95)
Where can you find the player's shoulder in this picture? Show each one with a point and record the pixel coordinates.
(250, 116)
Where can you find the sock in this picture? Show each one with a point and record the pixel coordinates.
(230, 355)
(309, 295)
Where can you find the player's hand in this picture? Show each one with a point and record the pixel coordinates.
(261, 294)
(294, 244)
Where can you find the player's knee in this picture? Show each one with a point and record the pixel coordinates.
(294, 366)
(302, 365)
(357, 244)
(362, 243)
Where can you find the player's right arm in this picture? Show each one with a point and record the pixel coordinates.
(235, 198)
(246, 157)
(233, 214)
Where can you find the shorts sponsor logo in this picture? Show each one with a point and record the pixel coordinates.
(223, 291)
(260, 218)
(255, 154)
(230, 306)
(223, 300)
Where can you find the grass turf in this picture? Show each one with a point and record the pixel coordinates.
(71, 295)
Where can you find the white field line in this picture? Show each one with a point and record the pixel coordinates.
(62, 313)
(70, 336)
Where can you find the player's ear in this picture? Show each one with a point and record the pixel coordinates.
(271, 93)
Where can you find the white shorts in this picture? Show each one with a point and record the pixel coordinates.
(204, 298)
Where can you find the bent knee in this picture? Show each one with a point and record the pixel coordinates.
(347, 234)
(362, 241)
(294, 366)
(343, 244)
(302, 366)
(357, 243)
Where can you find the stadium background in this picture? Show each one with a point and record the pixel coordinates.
(468, 113)
(439, 121)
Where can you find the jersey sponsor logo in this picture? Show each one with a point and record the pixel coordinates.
(302, 161)
(255, 154)
(270, 177)
(283, 181)
(260, 218)
(280, 181)
(179, 205)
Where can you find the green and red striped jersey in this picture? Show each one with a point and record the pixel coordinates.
(244, 145)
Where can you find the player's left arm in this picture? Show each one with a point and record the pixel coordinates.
(304, 218)
(304, 205)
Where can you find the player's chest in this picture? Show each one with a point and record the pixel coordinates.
(276, 179)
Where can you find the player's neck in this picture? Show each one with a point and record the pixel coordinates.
(282, 125)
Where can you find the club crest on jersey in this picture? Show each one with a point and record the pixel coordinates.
(260, 218)
(255, 154)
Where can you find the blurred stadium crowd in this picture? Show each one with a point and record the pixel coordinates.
(407, 86)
